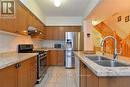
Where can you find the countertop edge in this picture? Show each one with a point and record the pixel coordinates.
(25, 56)
(102, 71)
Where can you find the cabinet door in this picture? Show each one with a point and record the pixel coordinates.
(33, 71)
(8, 24)
(22, 24)
(53, 57)
(61, 33)
(23, 74)
(83, 75)
(60, 59)
(30, 18)
(92, 80)
(55, 33)
(8, 77)
(49, 34)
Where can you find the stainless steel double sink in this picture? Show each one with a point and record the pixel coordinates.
(106, 62)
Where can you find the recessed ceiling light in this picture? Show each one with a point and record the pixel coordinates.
(57, 3)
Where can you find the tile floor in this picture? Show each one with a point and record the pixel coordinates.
(58, 77)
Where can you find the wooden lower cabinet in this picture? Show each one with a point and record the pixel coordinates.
(27, 73)
(89, 79)
(83, 75)
(33, 72)
(8, 77)
(22, 74)
(53, 57)
(92, 79)
(60, 59)
(56, 57)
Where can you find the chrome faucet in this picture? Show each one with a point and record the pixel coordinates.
(115, 54)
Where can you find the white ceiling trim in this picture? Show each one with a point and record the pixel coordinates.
(63, 21)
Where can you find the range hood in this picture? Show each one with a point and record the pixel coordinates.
(32, 30)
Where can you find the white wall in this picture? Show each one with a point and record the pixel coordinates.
(88, 43)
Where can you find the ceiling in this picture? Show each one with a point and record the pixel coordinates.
(67, 8)
(71, 12)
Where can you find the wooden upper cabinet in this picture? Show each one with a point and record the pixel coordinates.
(8, 77)
(30, 18)
(72, 28)
(58, 32)
(22, 21)
(8, 24)
(61, 34)
(49, 34)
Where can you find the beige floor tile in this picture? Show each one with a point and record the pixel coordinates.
(59, 77)
(50, 85)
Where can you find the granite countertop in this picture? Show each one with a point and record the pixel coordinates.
(47, 49)
(101, 71)
(8, 59)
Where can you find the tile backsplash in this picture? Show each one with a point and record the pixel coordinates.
(51, 43)
(9, 42)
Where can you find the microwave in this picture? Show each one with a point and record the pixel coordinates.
(57, 46)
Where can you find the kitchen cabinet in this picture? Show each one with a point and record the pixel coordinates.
(33, 71)
(49, 34)
(60, 59)
(27, 73)
(92, 79)
(58, 32)
(8, 77)
(89, 79)
(8, 25)
(53, 57)
(56, 57)
(22, 22)
(83, 75)
(23, 74)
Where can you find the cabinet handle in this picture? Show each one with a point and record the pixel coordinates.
(17, 65)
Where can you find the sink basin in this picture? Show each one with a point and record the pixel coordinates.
(110, 63)
(97, 58)
(103, 61)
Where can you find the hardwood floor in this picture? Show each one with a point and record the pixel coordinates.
(59, 77)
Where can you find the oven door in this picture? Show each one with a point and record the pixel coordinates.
(42, 67)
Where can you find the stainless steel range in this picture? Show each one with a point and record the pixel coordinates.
(41, 59)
